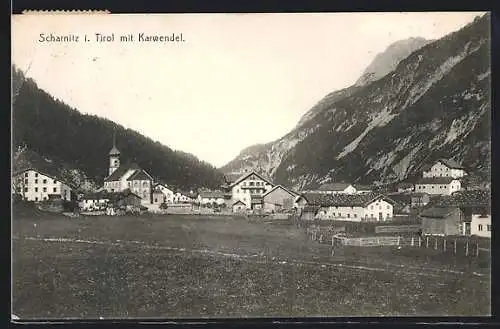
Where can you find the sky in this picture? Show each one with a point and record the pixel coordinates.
(234, 81)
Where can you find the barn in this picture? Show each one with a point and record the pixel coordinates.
(278, 198)
(441, 221)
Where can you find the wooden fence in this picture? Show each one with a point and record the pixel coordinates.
(398, 229)
(456, 246)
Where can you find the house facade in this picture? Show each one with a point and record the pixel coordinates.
(441, 221)
(239, 206)
(248, 186)
(128, 177)
(278, 198)
(438, 185)
(445, 168)
(210, 197)
(34, 185)
(405, 187)
(352, 207)
(419, 200)
(168, 194)
(480, 225)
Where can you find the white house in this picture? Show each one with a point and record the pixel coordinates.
(438, 185)
(210, 197)
(248, 186)
(168, 194)
(445, 168)
(481, 225)
(183, 197)
(34, 185)
(352, 207)
(128, 176)
(94, 201)
(336, 188)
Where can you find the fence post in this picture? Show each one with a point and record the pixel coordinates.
(427, 242)
(455, 246)
(412, 241)
(477, 250)
(419, 241)
(399, 240)
(467, 248)
(436, 244)
(444, 245)
(332, 240)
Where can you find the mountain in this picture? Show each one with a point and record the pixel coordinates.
(44, 127)
(387, 61)
(435, 103)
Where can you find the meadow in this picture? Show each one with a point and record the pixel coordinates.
(217, 267)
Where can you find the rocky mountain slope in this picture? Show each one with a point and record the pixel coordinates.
(435, 103)
(387, 61)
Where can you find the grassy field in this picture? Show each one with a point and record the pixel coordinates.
(190, 267)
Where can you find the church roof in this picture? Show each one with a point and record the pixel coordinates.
(114, 151)
(122, 170)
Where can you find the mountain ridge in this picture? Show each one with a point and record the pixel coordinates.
(331, 133)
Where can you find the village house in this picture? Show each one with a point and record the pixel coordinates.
(168, 193)
(351, 207)
(475, 210)
(184, 197)
(419, 200)
(335, 188)
(128, 176)
(445, 168)
(239, 206)
(403, 202)
(247, 186)
(278, 198)
(210, 197)
(94, 201)
(34, 185)
(159, 197)
(438, 185)
(441, 221)
(405, 187)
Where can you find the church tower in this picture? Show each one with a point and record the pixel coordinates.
(114, 157)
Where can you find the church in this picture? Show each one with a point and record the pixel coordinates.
(128, 176)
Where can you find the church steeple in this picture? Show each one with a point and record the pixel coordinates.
(114, 156)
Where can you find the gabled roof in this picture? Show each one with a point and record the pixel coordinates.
(52, 175)
(346, 200)
(466, 199)
(436, 180)
(231, 177)
(140, 174)
(334, 187)
(245, 175)
(238, 202)
(402, 199)
(405, 185)
(450, 163)
(437, 212)
(283, 188)
(122, 170)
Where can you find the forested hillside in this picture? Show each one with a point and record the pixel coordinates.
(53, 130)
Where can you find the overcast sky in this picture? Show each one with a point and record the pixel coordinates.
(237, 80)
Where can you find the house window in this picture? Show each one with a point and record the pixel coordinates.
(156, 199)
(25, 174)
(55, 189)
(36, 189)
(36, 174)
(388, 207)
(44, 181)
(36, 198)
(480, 227)
(44, 198)
(488, 228)
(45, 189)
(355, 216)
(348, 215)
(36, 181)
(25, 189)
(55, 181)
(25, 181)
(145, 184)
